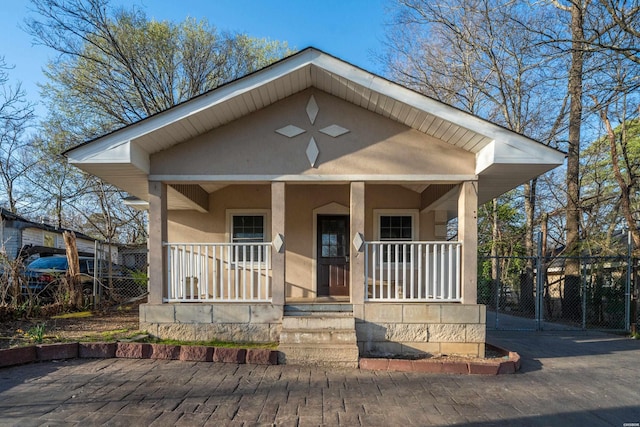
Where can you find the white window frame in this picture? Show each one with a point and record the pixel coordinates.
(265, 213)
(413, 213)
(415, 224)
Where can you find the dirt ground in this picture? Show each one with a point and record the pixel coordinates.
(86, 326)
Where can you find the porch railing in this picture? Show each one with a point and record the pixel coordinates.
(217, 272)
(415, 271)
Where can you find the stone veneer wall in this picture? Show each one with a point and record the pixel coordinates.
(392, 329)
(236, 322)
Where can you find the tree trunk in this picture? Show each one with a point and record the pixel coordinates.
(571, 302)
(73, 273)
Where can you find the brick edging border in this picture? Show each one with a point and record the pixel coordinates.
(133, 350)
(508, 364)
(257, 356)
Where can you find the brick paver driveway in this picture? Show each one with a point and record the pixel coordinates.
(577, 379)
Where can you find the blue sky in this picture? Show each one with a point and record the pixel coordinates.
(352, 30)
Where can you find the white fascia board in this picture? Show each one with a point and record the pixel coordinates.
(302, 178)
(485, 157)
(194, 106)
(123, 153)
(137, 204)
(514, 152)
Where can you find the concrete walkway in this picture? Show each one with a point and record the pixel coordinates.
(567, 379)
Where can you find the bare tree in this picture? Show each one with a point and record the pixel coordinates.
(15, 115)
(474, 55)
(115, 67)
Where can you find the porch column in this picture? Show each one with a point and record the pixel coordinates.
(468, 235)
(157, 235)
(356, 269)
(278, 258)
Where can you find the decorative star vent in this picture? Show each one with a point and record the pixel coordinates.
(313, 151)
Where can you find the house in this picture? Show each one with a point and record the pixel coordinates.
(307, 203)
(21, 237)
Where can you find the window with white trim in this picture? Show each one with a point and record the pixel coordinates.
(396, 226)
(248, 227)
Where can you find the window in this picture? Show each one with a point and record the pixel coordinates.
(396, 226)
(49, 240)
(248, 227)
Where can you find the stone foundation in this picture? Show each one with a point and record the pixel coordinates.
(385, 329)
(236, 322)
(382, 329)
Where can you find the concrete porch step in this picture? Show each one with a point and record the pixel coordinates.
(329, 336)
(327, 355)
(315, 309)
(319, 322)
(319, 334)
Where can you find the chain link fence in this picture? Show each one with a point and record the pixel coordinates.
(117, 282)
(559, 293)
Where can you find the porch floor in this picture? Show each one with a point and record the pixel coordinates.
(318, 300)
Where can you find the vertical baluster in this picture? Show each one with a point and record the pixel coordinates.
(178, 269)
(374, 267)
(458, 279)
(251, 270)
(413, 271)
(236, 252)
(388, 270)
(442, 267)
(396, 272)
(267, 281)
(169, 272)
(420, 274)
(450, 271)
(243, 289)
(206, 270)
(434, 268)
(366, 272)
(429, 293)
(221, 273)
(381, 268)
(262, 248)
(404, 270)
(229, 272)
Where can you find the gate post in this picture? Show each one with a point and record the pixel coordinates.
(498, 286)
(539, 285)
(627, 290)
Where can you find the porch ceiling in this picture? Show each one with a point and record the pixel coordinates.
(122, 157)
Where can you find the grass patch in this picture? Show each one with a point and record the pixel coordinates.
(76, 315)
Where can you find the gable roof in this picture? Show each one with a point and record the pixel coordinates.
(504, 159)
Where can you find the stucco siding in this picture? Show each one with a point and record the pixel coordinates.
(373, 145)
(192, 226)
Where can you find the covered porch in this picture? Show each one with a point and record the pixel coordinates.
(354, 242)
(377, 250)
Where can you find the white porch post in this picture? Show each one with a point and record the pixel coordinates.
(468, 235)
(356, 269)
(157, 235)
(278, 258)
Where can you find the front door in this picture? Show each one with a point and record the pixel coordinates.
(333, 255)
